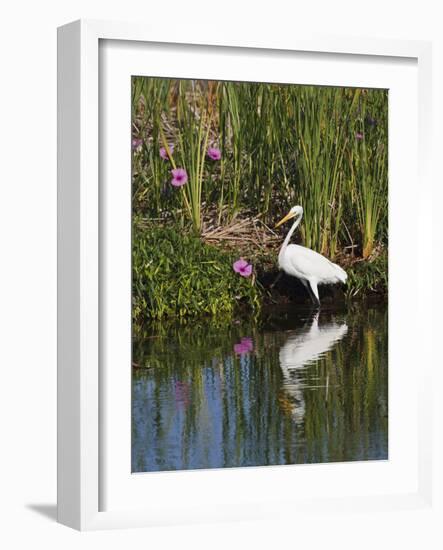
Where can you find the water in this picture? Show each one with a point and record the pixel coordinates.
(293, 388)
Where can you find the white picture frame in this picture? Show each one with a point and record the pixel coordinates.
(82, 468)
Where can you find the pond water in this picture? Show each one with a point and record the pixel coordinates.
(294, 387)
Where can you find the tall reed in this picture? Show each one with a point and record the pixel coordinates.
(322, 134)
(368, 169)
(322, 147)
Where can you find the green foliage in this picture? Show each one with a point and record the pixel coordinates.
(175, 274)
(324, 135)
(367, 180)
(192, 135)
(368, 276)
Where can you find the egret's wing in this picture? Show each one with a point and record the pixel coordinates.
(310, 264)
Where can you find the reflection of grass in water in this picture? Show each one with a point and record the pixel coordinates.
(344, 393)
(174, 346)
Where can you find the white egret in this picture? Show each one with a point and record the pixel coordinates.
(309, 266)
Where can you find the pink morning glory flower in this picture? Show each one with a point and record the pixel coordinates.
(358, 135)
(136, 144)
(242, 267)
(214, 153)
(245, 345)
(179, 177)
(164, 153)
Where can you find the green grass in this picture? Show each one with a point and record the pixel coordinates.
(368, 277)
(176, 275)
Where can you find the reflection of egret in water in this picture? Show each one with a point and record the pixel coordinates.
(301, 350)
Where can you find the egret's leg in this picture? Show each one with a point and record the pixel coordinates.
(280, 273)
(311, 294)
(305, 284)
(314, 289)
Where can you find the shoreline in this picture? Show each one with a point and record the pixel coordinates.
(178, 273)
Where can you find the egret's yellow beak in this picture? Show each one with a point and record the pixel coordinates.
(288, 216)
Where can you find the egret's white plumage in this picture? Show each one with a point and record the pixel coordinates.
(309, 266)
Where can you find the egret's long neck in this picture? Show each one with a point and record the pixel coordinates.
(289, 235)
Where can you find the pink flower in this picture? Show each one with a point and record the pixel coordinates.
(245, 345)
(214, 153)
(164, 153)
(179, 177)
(136, 144)
(358, 135)
(242, 267)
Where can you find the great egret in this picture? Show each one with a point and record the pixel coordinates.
(309, 266)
